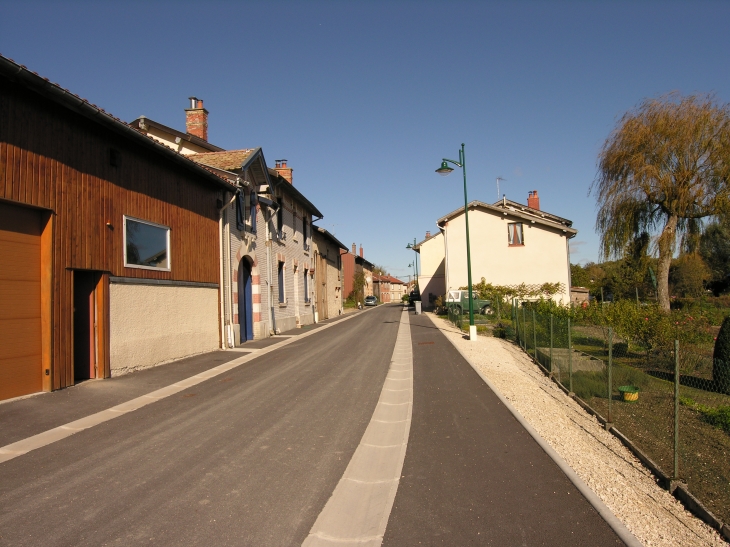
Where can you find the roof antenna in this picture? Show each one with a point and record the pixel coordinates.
(498, 179)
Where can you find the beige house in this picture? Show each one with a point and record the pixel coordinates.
(327, 273)
(511, 244)
(432, 275)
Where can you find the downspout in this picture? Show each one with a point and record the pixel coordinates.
(446, 259)
(570, 273)
(226, 259)
(221, 261)
(227, 278)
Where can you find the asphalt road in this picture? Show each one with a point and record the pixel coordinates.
(247, 458)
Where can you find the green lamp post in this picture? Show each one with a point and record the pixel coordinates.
(415, 262)
(444, 170)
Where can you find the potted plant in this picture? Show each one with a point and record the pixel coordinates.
(629, 393)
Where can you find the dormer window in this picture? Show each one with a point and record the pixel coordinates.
(515, 234)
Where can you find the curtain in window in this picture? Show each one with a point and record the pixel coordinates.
(514, 233)
(240, 211)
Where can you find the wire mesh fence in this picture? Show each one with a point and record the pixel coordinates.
(671, 401)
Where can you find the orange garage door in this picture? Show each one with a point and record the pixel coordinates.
(20, 301)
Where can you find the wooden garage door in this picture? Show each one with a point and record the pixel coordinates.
(20, 301)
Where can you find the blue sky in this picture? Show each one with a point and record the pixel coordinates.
(365, 98)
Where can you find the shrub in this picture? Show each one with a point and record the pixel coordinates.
(721, 358)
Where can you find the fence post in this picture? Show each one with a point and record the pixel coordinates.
(524, 328)
(570, 359)
(610, 379)
(534, 335)
(676, 409)
(551, 348)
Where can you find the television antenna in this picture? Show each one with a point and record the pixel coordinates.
(498, 179)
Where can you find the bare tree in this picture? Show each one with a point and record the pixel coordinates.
(663, 169)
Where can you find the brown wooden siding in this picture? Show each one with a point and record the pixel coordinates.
(59, 161)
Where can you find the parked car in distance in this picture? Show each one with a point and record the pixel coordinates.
(460, 301)
(371, 301)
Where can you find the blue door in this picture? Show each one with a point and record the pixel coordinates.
(245, 301)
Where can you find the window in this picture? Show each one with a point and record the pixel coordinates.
(515, 235)
(254, 203)
(306, 286)
(146, 245)
(304, 233)
(282, 295)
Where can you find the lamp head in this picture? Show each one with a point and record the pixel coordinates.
(409, 246)
(444, 169)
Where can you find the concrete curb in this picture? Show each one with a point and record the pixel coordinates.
(616, 525)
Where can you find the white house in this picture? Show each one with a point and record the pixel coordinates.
(511, 244)
(432, 276)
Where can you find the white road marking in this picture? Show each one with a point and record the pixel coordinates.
(358, 510)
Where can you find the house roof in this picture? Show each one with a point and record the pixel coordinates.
(228, 160)
(280, 183)
(143, 121)
(417, 246)
(387, 279)
(330, 236)
(63, 97)
(515, 211)
(505, 203)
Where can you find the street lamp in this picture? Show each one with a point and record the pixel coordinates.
(444, 170)
(413, 246)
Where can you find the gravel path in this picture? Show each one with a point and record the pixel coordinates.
(653, 515)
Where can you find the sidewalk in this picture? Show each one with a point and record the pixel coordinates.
(472, 473)
(595, 455)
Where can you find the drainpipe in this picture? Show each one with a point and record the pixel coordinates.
(226, 273)
(227, 278)
(570, 274)
(221, 261)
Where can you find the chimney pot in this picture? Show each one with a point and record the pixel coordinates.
(284, 171)
(428, 234)
(196, 119)
(360, 250)
(533, 200)
(354, 249)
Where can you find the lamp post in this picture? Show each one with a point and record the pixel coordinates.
(415, 262)
(445, 170)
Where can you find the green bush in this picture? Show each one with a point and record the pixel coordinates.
(721, 358)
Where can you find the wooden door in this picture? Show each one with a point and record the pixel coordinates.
(20, 301)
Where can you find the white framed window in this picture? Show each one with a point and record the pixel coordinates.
(515, 234)
(146, 245)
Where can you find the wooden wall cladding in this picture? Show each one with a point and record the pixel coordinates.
(57, 160)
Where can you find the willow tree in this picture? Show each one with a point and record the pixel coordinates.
(664, 168)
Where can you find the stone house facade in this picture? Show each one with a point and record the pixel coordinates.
(327, 273)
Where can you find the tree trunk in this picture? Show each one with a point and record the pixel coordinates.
(666, 250)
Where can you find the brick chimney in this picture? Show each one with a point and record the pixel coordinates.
(428, 234)
(533, 201)
(283, 170)
(196, 119)
(360, 250)
(354, 249)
